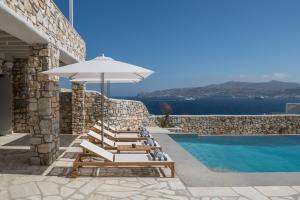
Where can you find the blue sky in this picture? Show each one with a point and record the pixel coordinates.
(192, 43)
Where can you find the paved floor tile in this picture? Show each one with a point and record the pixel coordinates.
(90, 187)
(48, 188)
(276, 191)
(297, 188)
(250, 193)
(119, 194)
(66, 192)
(75, 184)
(176, 185)
(23, 190)
(53, 198)
(212, 191)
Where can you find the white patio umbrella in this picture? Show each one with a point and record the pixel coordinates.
(101, 68)
(95, 68)
(94, 80)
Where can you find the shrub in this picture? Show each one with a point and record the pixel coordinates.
(166, 110)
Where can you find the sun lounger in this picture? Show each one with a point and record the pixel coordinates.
(116, 160)
(129, 137)
(112, 145)
(115, 130)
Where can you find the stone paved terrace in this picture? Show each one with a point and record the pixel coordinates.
(33, 187)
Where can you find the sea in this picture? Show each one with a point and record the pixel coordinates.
(218, 105)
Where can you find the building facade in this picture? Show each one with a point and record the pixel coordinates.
(34, 36)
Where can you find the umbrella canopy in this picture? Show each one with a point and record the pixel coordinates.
(92, 69)
(95, 80)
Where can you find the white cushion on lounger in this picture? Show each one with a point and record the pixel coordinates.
(128, 143)
(110, 142)
(107, 132)
(99, 137)
(119, 135)
(126, 135)
(118, 157)
(97, 150)
(132, 158)
(137, 158)
(130, 135)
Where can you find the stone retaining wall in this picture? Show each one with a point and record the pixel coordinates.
(123, 114)
(20, 96)
(236, 124)
(16, 73)
(65, 121)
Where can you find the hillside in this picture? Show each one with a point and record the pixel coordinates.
(231, 89)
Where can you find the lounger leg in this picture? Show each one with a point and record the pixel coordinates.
(85, 151)
(74, 173)
(172, 167)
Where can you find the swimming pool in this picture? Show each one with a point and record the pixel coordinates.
(244, 153)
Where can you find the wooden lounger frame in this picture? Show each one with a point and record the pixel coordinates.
(124, 131)
(123, 139)
(107, 147)
(79, 163)
(119, 131)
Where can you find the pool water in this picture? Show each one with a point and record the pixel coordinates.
(244, 153)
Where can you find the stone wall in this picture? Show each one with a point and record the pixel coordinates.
(92, 109)
(78, 111)
(86, 111)
(47, 18)
(122, 114)
(20, 96)
(43, 108)
(236, 124)
(65, 120)
(17, 76)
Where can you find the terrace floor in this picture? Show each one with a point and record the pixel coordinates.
(19, 180)
(94, 188)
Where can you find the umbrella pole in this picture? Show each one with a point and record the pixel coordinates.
(108, 102)
(102, 108)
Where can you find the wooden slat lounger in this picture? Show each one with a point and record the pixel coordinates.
(117, 160)
(112, 145)
(120, 137)
(115, 130)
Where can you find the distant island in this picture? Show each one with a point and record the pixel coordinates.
(234, 89)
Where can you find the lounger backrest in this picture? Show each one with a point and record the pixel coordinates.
(99, 137)
(108, 126)
(107, 132)
(97, 127)
(97, 150)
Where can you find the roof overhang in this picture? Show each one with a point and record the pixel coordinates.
(18, 27)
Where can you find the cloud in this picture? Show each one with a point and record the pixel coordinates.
(276, 76)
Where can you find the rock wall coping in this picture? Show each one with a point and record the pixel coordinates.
(236, 124)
